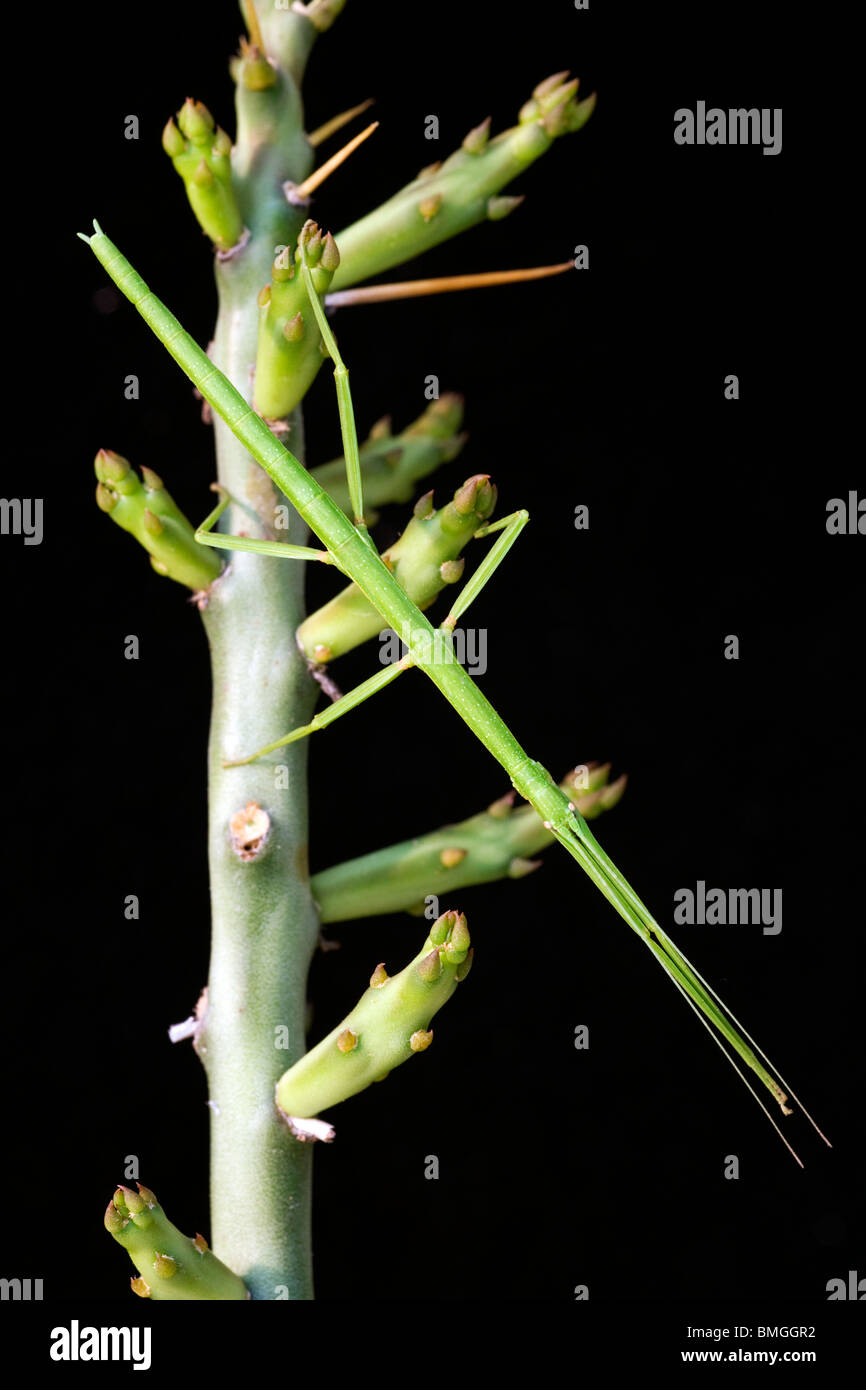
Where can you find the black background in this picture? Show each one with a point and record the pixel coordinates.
(707, 518)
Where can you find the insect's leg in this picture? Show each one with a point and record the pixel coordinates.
(511, 527)
(205, 535)
(344, 404)
(342, 706)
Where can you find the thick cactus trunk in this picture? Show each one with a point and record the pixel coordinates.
(264, 922)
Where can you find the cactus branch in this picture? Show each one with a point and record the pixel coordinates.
(288, 354)
(462, 191)
(172, 1267)
(390, 1023)
(495, 844)
(145, 509)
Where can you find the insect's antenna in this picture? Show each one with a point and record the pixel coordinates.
(760, 1053)
(729, 1058)
(299, 193)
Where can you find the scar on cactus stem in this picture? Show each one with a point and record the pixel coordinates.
(249, 831)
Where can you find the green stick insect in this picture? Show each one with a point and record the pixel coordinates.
(337, 1068)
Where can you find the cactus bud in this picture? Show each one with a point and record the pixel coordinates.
(450, 858)
(111, 467)
(330, 254)
(195, 121)
(428, 207)
(294, 328)
(500, 207)
(441, 927)
(519, 867)
(477, 138)
(172, 141)
(465, 966)
(203, 177)
(165, 1267)
(114, 1219)
(105, 500)
(424, 506)
(430, 968)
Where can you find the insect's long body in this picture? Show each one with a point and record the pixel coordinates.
(351, 549)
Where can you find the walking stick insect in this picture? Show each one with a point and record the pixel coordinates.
(348, 547)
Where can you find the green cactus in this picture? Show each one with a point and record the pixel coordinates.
(448, 198)
(388, 1025)
(494, 844)
(172, 1267)
(290, 345)
(201, 153)
(145, 508)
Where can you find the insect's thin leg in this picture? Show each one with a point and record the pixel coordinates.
(327, 716)
(205, 535)
(344, 403)
(511, 527)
